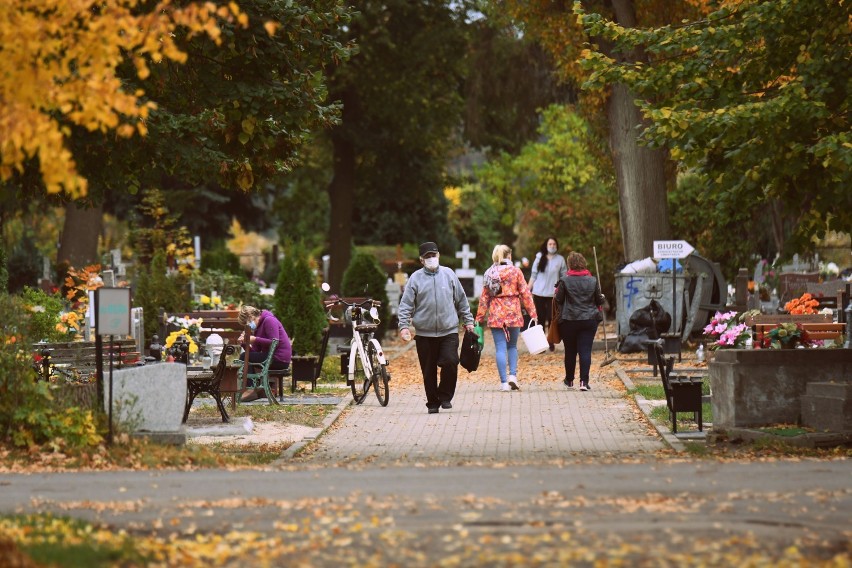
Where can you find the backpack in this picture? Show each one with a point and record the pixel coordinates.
(491, 280)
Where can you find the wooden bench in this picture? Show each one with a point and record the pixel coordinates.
(818, 326)
(683, 393)
(78, 359)
(209, 382)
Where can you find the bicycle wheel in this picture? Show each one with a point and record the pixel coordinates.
(381, 377)
(361, 383)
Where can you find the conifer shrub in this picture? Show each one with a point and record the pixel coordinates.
(298, 302)
(365, 278)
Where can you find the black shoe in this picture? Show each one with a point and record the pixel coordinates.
(551, 346)
(446, 404)
(567, 383)
(433, 410)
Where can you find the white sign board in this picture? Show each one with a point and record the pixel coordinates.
(672, 249)
(112, 311)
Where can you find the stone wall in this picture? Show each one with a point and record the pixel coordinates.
(765, 386)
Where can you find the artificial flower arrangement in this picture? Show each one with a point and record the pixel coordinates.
(727, 331)
(173, 337)
(70, 323)
(785, 335)
(806, 304)
(191, 325)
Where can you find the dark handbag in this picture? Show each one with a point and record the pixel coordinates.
(553, 335)
(470, 351)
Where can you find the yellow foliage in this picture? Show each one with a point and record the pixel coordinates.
(59, 66)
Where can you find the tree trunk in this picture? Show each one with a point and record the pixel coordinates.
(640, 172)
(78, 245)
(341, 196)
(640, 175)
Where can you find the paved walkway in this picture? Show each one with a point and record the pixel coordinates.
(544, 421)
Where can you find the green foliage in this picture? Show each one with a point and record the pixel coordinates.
(298, 302)
(365, 278)
(403, 106)
(234, 289)
(720, 238)
(560, 185)
(156, 288)
(250, 103)
(44, 312)
(221, 259)
(28, 417)
(755, 98)
(4, 271)
(474, 220)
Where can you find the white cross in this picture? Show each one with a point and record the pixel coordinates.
(465, 254)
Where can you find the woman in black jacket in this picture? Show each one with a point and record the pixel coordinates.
(580, 297)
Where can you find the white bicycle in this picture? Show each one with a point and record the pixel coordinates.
(367, 364)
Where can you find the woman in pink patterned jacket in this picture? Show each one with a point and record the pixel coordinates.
(503, 293)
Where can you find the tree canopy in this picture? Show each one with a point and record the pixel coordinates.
(754, 97)
(58, 69)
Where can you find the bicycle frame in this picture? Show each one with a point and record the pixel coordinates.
(357, 348)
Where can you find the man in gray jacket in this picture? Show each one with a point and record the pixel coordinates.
(433, 303)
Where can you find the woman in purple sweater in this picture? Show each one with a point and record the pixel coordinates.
(265, 327)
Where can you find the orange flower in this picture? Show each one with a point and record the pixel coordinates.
(806, 304)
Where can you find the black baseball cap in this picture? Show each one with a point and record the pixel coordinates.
(426, 248)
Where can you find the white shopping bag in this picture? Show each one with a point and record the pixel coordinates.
(534, 338)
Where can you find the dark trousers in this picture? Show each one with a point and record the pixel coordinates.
(578, 337)
(434, 352)
(543, 305)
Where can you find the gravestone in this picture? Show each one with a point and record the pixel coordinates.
(393, 291)
(150, 398)
(471, 281)
(792, 285)
(108, 276)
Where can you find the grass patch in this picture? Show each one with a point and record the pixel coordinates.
(652, 392)
(61, 541)
(697, 449)
(661, 414)
(303, 414)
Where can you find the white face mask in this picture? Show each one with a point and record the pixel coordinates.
(431, 263)
(551, 250)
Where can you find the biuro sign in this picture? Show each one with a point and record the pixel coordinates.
(672, 249)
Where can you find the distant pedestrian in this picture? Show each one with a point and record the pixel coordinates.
(547, 268)
(434, 303)
(580, 297)
(503, 293)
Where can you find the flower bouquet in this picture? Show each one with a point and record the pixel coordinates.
(726, 331)
(191, 325)
(806, 304)
(785, 336)
(179, 344)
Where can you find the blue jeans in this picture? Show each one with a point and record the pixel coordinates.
(578, 337)
(502, 346)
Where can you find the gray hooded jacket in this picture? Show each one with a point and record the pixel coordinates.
(434, 302)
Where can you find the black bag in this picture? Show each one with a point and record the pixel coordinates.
(470, 351)
(634, 342)
(652, 317)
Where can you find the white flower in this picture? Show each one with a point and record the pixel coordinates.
(38, 309)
